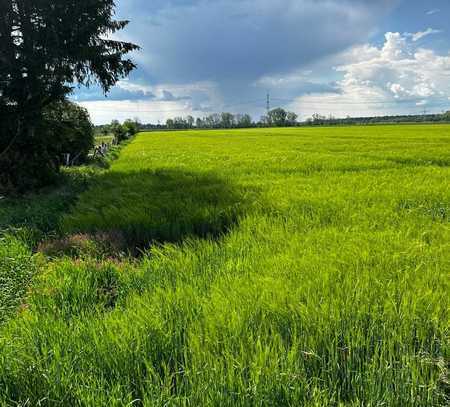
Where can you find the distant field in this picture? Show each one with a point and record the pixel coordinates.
(103, 139)
(262, 267)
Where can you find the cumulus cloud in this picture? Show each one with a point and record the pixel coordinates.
(396, 77)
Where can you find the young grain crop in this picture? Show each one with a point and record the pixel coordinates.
(278, 267)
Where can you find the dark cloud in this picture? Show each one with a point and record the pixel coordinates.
(170, 97)
(117, 93)
(241, 40)
(232, 44)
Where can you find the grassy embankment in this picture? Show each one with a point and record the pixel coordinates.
(286, 267)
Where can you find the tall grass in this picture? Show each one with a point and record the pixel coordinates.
(287, 267)
(17, 268)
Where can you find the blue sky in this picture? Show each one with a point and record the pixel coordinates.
(339, 57)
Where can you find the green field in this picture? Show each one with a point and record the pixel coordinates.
(99, 139)
(263, 267)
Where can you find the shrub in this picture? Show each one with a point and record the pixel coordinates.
(131, 127)
(64, 127)
(24, 167)
(72, 129)
(118, 130)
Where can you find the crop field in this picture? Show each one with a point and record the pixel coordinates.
(262, 267)
(99, 139)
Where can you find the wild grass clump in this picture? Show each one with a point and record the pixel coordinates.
(37, 216)
(16, 271)
(148, 207)
(281, 267)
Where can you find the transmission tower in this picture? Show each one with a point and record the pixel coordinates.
(268, 103)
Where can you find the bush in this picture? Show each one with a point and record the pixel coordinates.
(131, 127)
(123, 131)
(119, 131)
(72, 130)
(25, 166)
(33, 160)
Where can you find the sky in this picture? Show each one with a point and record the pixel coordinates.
(332, 57)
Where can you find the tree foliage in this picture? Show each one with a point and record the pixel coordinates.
(70, 128)
(226, 120)
(213, 121)
(131, 127)
(45, 47)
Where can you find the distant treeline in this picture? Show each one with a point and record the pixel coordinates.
(318, 120)
(276, 118)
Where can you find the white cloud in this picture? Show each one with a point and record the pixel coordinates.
(422, 34)
(146, 111)
(276, 81)
(433, 11)
(162, 102)
(394, 78)
(134, 87)
(398, 90)
(168, 92)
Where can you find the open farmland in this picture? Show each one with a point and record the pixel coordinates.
(281, 267)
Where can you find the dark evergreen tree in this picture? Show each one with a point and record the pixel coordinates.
(46, 46)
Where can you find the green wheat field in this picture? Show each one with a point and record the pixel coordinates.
(262, 267)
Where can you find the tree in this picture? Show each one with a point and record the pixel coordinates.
(45, 46)
(70, 128)
(118, 131)
(131, 127)
(291, 118)
(213, 120)
(264, 121)
(277, 117)
(244, 120)
(179, 123)
(170, 124)
(318, 118)
(227, 120)
(190, 121)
